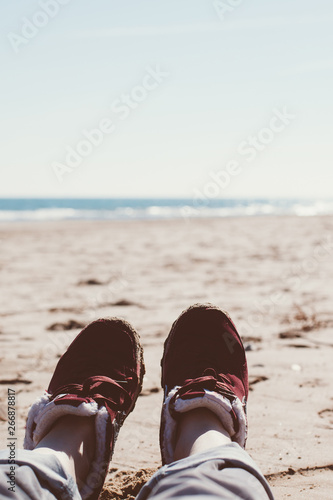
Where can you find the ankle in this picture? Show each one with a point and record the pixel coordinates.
(72, 440)
(199, 430)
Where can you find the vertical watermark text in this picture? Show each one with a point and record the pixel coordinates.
(11, 445)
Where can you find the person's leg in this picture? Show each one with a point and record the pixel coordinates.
(72, 441)
(198, 431)
(58, 465)
(204, 426)
(207, 464)
(36, 476)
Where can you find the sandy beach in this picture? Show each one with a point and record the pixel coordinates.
(273, 274)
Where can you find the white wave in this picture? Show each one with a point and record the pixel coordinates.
(241, 209)
(318, 208)
(39, 214)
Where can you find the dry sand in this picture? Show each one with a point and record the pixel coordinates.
(274, 275)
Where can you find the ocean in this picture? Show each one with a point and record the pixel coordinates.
(52, 209)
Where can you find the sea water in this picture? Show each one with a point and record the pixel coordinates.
(48, 209)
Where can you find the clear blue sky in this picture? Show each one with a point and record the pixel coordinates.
(226, 76)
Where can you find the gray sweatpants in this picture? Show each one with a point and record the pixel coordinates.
(226, 472)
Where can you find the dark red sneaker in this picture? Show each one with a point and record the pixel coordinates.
(203, 365)
(99, 375)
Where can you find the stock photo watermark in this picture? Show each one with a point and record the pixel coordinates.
(248, 149)
(225, 7)
(294, 279)
(11, 439)
(122, 107)
(32, 26)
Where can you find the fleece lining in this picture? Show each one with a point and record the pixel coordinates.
(218, 404)
(44, 413)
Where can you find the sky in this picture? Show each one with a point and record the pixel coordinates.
(172, 98)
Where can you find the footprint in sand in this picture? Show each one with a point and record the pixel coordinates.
(251, 343)
(71, 324)
(14, 381)
(291, 334)
(125, 303)
(314, 382)
(91, 282)
(327, 415)
(147, 392)
(304, 471)
(302, 346)
(255, 380)
(64, 309)
(6, 337)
